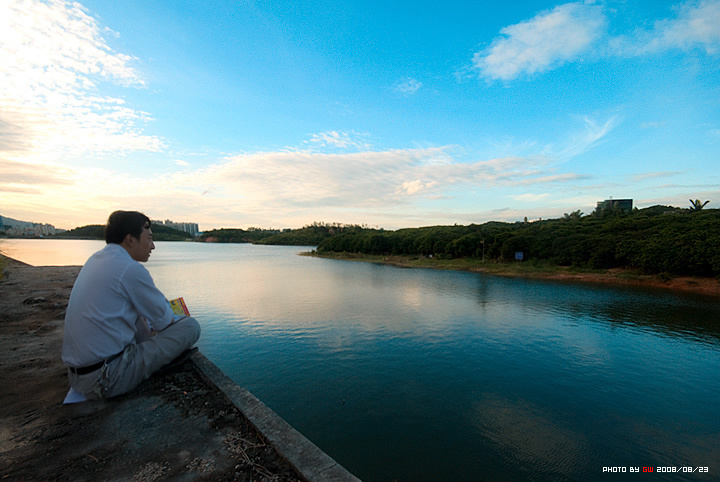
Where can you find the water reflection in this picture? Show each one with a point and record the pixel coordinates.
(664, 312)
(50, 252)
(528, 436)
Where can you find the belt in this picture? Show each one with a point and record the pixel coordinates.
(96, 366)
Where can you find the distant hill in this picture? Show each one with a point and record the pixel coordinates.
(6, 222)
(236, 235)
(310, 235)
(92, 231)
(96, 231)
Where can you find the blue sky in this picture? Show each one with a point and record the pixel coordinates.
(403, 114)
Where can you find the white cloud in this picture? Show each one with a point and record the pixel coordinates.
(696, 25)
(21, 176)
(547, 40)
(52, 60)
(573, 30)
(408, 86)
(413, 187)
(340, 140)
(277, 181)
(60, 37)
(552, 179)
(303, 178)
(529, 197)
(297, 187)
(653, 175)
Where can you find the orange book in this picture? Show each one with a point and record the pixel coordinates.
(179, 308)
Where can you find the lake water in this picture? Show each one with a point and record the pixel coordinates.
(412, 375)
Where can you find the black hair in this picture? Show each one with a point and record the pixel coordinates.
(122, 223)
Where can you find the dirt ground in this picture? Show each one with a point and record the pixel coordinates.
(173, 426)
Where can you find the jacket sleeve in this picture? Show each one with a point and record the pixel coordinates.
(147, 300)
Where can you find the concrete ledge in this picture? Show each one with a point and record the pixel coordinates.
(305, 457)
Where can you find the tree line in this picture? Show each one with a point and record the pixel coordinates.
(309, 235)
(656, 240)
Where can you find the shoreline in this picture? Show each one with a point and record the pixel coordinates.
(616, 277)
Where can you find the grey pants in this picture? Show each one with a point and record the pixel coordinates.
(138, 361)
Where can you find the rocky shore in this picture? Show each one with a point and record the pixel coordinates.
(175, 425)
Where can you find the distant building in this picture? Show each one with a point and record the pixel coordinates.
(13, 227)
(44, 229)
(625, 205)
(191, 228)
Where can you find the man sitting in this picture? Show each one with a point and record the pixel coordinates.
(114, 301)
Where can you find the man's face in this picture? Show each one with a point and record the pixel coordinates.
(139, 249)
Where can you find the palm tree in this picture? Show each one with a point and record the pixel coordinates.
(697, 205)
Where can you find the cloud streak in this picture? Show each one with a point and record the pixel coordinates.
(359, 180)
(584, 139)
(52, 59)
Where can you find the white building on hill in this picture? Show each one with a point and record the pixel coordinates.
(191, 228)
(13, 227)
